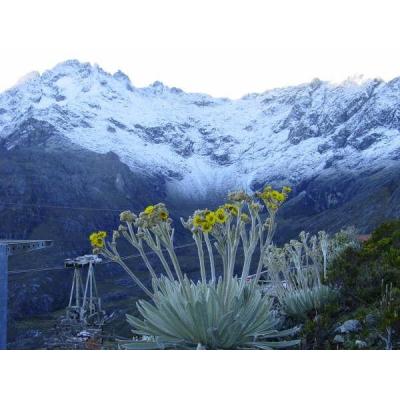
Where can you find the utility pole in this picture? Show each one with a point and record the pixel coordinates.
(9, 248)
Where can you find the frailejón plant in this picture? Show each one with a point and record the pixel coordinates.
(217, 312)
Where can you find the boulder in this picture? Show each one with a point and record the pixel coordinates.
(349, 326)
(338, 339)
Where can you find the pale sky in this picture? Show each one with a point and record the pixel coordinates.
(223, 48)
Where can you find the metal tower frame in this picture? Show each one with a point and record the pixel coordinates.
(91, 307)
(76, 296)
(84, 307)
(9, 248)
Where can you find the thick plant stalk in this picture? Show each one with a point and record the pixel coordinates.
(235, 244)
(200, 252)
(211, 256)
(324, 248)
(249, 246)
(232, 242)
(232, 246)
(228, 247)
(228, 274)
(175, 262)
(117, 258)
(156, 247)
(263, 246)
(164, 263)
(134, 277)
(167, 240)
(223, 253)
(147, 262)
(132, 239)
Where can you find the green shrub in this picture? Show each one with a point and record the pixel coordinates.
(368, 280)
(318, 332)
(359, 273)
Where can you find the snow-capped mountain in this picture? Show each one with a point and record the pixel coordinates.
(202, 144)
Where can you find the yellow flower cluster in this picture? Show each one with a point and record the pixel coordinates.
(152, 215)
(97, 239)
(220, 215)
(273, 199)
(206, 219)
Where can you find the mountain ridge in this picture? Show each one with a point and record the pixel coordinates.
(196, 141)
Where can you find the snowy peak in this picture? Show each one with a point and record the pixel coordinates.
(28, 77)
(198, 142)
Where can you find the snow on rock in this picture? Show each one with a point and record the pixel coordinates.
(200, 143)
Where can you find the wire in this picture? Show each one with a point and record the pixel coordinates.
(59, 207)
(60, 268)
(21, 271)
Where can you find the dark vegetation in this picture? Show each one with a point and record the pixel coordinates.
(368, 282)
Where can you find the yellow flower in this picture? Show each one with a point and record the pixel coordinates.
(210, 217)
(149, 210)
(164, 215)
(273, 199)
(97, 239)
(197, 220)
(206, 227)
(220, 215)
(92, 236)
(278, 196)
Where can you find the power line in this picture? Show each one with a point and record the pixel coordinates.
(12, 205)
(21, 271)
(59, 207)
(60, 268)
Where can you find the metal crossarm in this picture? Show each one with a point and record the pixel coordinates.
(8, 248)
(24, 246)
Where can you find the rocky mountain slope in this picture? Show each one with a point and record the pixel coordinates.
(78, 144)
(203, 145)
